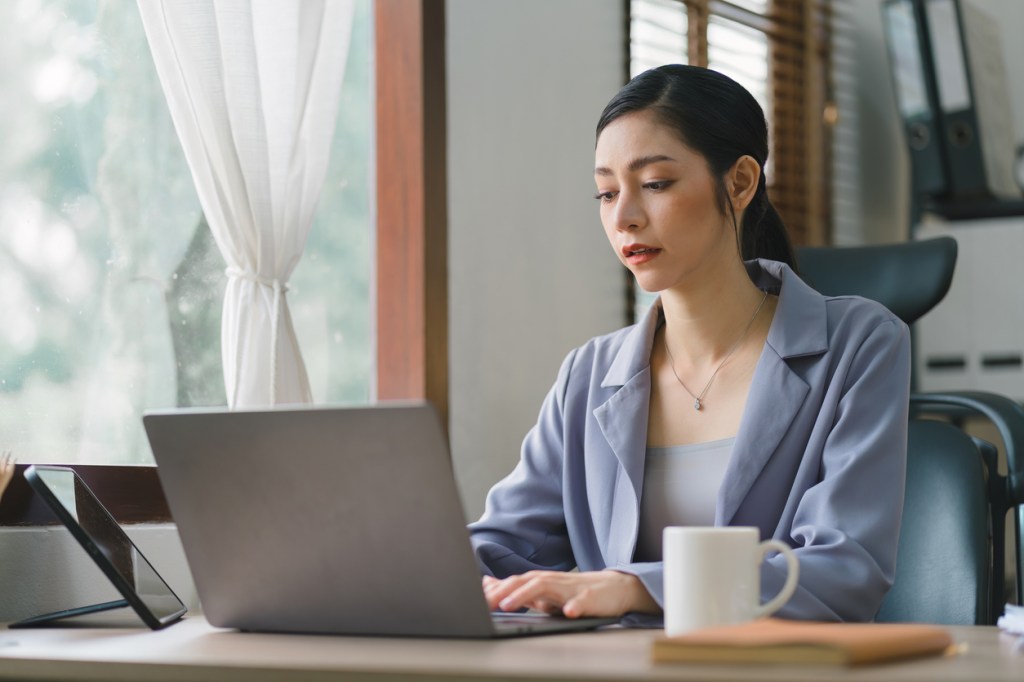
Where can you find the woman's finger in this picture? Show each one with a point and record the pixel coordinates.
(580, 605)
(545, 606)
(550, 589)
(498, 590)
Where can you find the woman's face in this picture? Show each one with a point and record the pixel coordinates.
(658, 203)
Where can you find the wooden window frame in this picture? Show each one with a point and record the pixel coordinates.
(412, 244)
(411, 262)
(132, 494)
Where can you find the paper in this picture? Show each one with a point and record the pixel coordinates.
(1012, 620)
(948, 56)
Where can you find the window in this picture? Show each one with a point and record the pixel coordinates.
(110, 282)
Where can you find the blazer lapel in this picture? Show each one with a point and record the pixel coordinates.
(776, 396)
(623, 422)
(777, 393)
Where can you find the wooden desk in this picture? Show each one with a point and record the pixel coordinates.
(192, 650)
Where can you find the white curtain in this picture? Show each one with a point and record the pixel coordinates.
(253, 88)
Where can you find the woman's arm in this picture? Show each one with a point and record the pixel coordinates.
(522, 542)
(523, 526)
(846, 528)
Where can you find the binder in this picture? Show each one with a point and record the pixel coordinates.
(916, 95)
(952, 90)
(984, 67)
(960, 122)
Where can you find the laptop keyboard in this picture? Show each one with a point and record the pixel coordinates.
(520, 623)
(500, 617)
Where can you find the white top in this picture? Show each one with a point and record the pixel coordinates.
(681, 485)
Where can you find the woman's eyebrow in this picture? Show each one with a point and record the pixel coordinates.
(635, 164)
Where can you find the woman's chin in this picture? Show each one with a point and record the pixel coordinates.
(650, 285)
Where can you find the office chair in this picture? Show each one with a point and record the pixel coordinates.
(910, 279)
(1006, 493)
(943, 566)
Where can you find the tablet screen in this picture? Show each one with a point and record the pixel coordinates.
(82, 508)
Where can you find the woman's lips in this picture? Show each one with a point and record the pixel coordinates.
(636, 254)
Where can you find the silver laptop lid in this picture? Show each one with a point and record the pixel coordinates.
(331, 520)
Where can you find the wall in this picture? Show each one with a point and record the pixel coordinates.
(530, 272)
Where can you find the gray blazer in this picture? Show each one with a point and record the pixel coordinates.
(819, 460)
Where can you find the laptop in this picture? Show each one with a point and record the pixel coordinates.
(335, 520)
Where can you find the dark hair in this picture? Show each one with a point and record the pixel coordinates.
(716, 117)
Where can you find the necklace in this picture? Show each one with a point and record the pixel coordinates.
(698, 399)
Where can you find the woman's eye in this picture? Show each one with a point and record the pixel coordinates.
(604, 197)
(657, 185)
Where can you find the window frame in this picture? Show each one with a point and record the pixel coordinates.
(131, 493)
(412, 203)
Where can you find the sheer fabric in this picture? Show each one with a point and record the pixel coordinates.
(253, 88)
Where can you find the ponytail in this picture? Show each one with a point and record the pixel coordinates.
(763, 234)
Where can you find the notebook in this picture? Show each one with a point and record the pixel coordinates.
(771, 640)
(339, 520)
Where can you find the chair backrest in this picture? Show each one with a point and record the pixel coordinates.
(943, 563)
(908, 278)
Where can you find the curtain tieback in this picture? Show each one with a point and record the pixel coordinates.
(279, 288)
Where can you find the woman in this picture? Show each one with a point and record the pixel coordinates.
(743, 397)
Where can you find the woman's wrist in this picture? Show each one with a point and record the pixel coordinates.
(637, 598)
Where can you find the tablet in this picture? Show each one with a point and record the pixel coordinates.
(91, 524)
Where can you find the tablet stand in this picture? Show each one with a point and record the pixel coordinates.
(67, 617)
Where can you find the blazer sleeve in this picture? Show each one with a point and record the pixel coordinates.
(523, 527)
(846, 527)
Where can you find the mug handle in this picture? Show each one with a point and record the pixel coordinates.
(792, 575)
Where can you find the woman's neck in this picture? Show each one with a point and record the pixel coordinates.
(706, 318)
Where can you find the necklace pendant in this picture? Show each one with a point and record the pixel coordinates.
(696, 404)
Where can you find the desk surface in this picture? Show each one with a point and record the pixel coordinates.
(193, 650)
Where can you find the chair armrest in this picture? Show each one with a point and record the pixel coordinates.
(1005, 414)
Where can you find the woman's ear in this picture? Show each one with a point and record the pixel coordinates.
(742, 181)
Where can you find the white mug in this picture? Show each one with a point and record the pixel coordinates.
(712, 576)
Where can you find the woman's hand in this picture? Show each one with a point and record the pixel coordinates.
(6, 470)
(593, 593)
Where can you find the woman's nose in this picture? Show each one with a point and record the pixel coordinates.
(629, 214)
